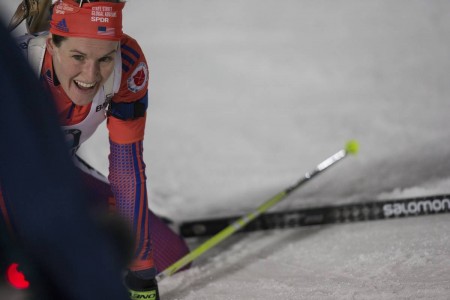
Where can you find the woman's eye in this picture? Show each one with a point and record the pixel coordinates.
(78, 57)
(106, 59)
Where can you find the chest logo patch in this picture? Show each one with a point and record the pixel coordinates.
(138, 78)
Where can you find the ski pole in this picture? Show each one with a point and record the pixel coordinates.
(350, 148)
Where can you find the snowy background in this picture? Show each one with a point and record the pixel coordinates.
(248, 95)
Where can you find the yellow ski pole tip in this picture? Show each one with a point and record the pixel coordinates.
(352, 147)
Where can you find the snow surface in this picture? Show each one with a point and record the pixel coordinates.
(248, 95)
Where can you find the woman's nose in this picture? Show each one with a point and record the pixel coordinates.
(91, 71)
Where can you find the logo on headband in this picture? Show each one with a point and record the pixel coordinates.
(103, 14)
(138, 78)
(62, 25)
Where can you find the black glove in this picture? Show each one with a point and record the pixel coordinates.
(141, 288)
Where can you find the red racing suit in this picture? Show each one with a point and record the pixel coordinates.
(122, 102)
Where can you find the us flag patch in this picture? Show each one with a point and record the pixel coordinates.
(108, 31)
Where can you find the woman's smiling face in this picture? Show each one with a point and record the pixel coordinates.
(82, 65)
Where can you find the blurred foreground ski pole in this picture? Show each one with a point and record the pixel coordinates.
(350, 148)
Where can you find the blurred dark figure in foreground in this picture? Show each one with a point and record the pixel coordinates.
(66, 255)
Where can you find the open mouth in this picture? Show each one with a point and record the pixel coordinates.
(85, 86)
